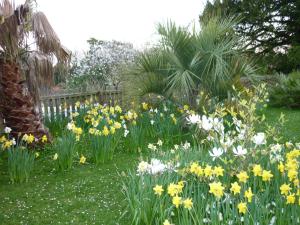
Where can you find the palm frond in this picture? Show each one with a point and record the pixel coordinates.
(46, 38)
(7, 8)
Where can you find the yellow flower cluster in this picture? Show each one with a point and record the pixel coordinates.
(206, 171)
(290, 170)
(174, 190)
(104, 119)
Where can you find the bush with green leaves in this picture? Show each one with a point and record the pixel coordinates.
(287, 91)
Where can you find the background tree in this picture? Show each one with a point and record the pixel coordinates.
(101, 65)
(271, 28)
(24, 70)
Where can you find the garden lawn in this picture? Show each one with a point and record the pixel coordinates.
(86, 194)
(291, 130)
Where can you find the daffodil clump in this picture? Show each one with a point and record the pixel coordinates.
(180, 191)
(231, 174)
(20, 158)
(105, 129)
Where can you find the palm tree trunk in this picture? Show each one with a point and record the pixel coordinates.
(17, 105)
(1, 124)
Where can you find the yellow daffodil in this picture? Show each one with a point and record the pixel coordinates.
(44, 139)
(2, 139)
(118, 109)
(208, 172)
(266, 175)
(281, 167)
(242, 176)
(117, 125)
(158, 190)
(284, 189)
(173, 189)
(7, 144)
(105, 131)
(242, 207)
(235, 188)
(77, 104)
(290, 199)
(176, 201)
(28, 138)
(82, 159)
(112, 130)
(292, 174)
(188, 203)
(145, 106)
(257, 170)
(218, 171)
(216, 189)
(248, 194)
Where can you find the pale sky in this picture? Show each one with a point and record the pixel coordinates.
(123, 20)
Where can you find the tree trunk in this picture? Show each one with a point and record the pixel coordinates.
(17, 105)
(1, 124)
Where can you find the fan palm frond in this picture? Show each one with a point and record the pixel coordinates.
(211, 59)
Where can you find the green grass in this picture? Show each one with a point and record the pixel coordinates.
(86, 194)
(291, 130)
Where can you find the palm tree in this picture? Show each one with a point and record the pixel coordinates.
(185, 62)
(23, 70)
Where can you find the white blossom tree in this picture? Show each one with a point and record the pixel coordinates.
(102, 64)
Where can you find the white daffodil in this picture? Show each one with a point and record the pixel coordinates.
(156, 166)
(159, 142)
(186, 145)
(70, 126)
(55, 157)
(239, 151)
(14, 141)
(216, 152)
(7, 130)
(126, 132)
(206, 123)
(259, 139)
(143, 167)
(193, 119)
(152, 147)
